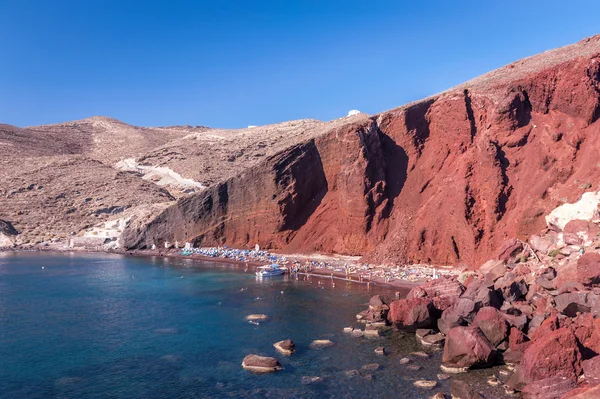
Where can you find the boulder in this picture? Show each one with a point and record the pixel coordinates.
(481, 295)
(517, 339)
(460, 314)
(376, 301)
(261, 364)
(493, 325)
(547, 326)
(544, 243)
(463, 390)
(551, 356)
(511, 287)
(572, 303)
(443, 292)
(585, 231)
(549, 388)
(592, 392)
(588, 268)
(491, 265)
(515, 318)
(468, 347)
(591, 370)
(510, 249)
(587, 330)
(494, 274)
(412, 314)
(286, 347)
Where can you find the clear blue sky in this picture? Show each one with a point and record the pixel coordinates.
(236, 63)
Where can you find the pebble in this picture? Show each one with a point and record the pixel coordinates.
(380, 350)
(509, 390)
(348, 329)
(439, 395)
(405, 360)
(413, 367)
(425, 384)
(443, 377)
(504, 372)
(493, 381)
(420, 354)
(255, 317)
(449, 369)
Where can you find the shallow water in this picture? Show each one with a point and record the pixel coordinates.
(100, 326)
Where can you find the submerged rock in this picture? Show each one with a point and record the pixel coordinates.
(311, 380)
(321, 343)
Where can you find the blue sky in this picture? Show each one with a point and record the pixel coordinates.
(236, 63)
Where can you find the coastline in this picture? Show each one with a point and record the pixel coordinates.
(317, 272)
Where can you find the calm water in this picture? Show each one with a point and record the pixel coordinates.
(104, 326)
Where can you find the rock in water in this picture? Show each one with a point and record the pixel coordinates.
(257, 317)
(413, 314)
(285, 347)
(425, 384)
(468, 347)
(261, 364)
(321, 343)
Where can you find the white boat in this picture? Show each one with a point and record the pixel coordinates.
(270, 270)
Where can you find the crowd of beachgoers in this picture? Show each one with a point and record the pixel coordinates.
(339, 268)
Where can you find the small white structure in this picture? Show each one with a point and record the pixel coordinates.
(251, 126)
(353, 112)
(188, 245)
(167, 244)
(256, 247)
(153, 246)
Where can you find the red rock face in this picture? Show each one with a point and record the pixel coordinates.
(554, 355)
(444, 180)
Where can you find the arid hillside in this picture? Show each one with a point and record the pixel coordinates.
(443, 180)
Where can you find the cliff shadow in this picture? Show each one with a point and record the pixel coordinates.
(301, 178)
(396, 169)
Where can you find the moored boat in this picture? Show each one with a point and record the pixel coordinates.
(270, 270)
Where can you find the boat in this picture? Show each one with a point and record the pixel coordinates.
(270, 270)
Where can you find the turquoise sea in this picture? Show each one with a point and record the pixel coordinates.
(109, 326)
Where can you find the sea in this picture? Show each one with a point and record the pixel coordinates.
(113, 326)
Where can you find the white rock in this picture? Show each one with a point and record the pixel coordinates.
(585, 209)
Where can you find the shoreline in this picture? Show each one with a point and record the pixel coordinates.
(317, 272)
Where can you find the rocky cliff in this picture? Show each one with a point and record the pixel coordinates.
(443, 180)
